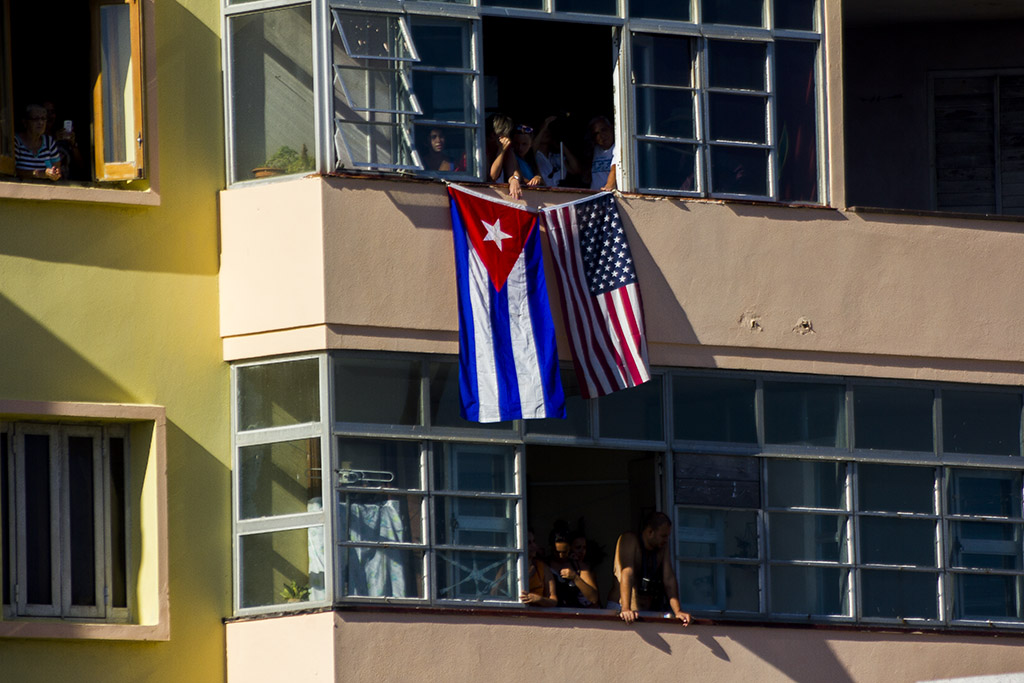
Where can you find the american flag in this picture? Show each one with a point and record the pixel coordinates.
(601, 303)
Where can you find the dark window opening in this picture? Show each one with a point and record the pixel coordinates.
(536, 69)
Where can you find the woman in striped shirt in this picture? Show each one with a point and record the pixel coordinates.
(35, 153)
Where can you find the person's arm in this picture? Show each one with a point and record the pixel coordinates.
(625, 551)
(546, 600)
(584, 580)
(494, 172)
(672, 589)
(515, 179)
(609, 183)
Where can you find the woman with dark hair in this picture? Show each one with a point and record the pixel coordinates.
(575, 586)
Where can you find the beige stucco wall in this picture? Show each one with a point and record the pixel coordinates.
(724, 285)
(437, 647)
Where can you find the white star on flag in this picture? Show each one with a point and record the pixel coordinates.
(494, 233)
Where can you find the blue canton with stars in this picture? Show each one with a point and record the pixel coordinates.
(607, 261)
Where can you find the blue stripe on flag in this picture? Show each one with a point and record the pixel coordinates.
(468, 389)
(509, 406)
(543, 327)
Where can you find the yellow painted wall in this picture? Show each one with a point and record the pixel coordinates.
(119, 304)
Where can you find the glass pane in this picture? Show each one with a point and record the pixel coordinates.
(662, 60)
(986, 545)
(474, 575)
(374, 36)
(885, 540)
(37, 519)
(810, 590)
(383, 145)
(475, 522)
(588, 6)
(118, 85)
(738, 118)
(989, 597)
(377, 572)
(118, 523)
(6, 513)
(272, 92)
(444, 400)
(734, 64)
(796, 131)
(384, 90)
(899, 595)
(516, 4)
(446, 150)
(719, 586)
(445, 97)
(995, 494)
(276, 567)
(981, 422)
(380, 518)
(475, 467)
(795, 14)
(718, 480)
(716, 534)
(713, 409)
(805, 414)
(442, 43)
(895, 488)
(739, 170)
(377, 391)
(660, 9)
(807, 537)
(82, 518)
(801, 483)
(577, 422)
(278, 394)
(893, 418)
(388, 464)
(664, 112)
(735, 12)
(665, 166)
(279, 478)
(633, 413)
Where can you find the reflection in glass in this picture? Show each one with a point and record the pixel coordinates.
(981, 422)
(979, 596)
(662, 60)
(379, 572)
(441, 43)
(737, 118)
(734, 12)
(278, 394)
(664, 112)
(607, 7)
(445, 97)
(717, 534)
(377, 391)
(369, 463)
(739, 170)
(895, 488)
(485, 522)
(383, 142)
(667, 166)
(886, 540)
(374, 36)
(118, 85)
(718, 586)
(475, 467)
(738, 65)
(278, 478)
(795, 14)
(893, 418)
(810, 590)
(577, 408)
(796, 124)
(803, 483)
(445, 403)
(276, 566)
(713, 409)
(807, 537)
(476, 575)
(993, 494)
(272, 91)
(899, 594)
(634, 413)
(986, 545)
(805, 414)
(659, 9)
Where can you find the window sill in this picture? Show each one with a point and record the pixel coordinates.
(606, 615)
(77, 630)
(77, 193)
(927, 213)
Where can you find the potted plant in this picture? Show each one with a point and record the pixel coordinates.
(293, 592)
(284, 161)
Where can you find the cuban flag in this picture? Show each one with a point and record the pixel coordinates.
(508, 361)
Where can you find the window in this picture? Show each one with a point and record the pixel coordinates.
(793, 497)
(721, 101)
(977, 141)
(66, 534)
(92, 84)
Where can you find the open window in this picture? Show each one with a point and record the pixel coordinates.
(90, 83)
